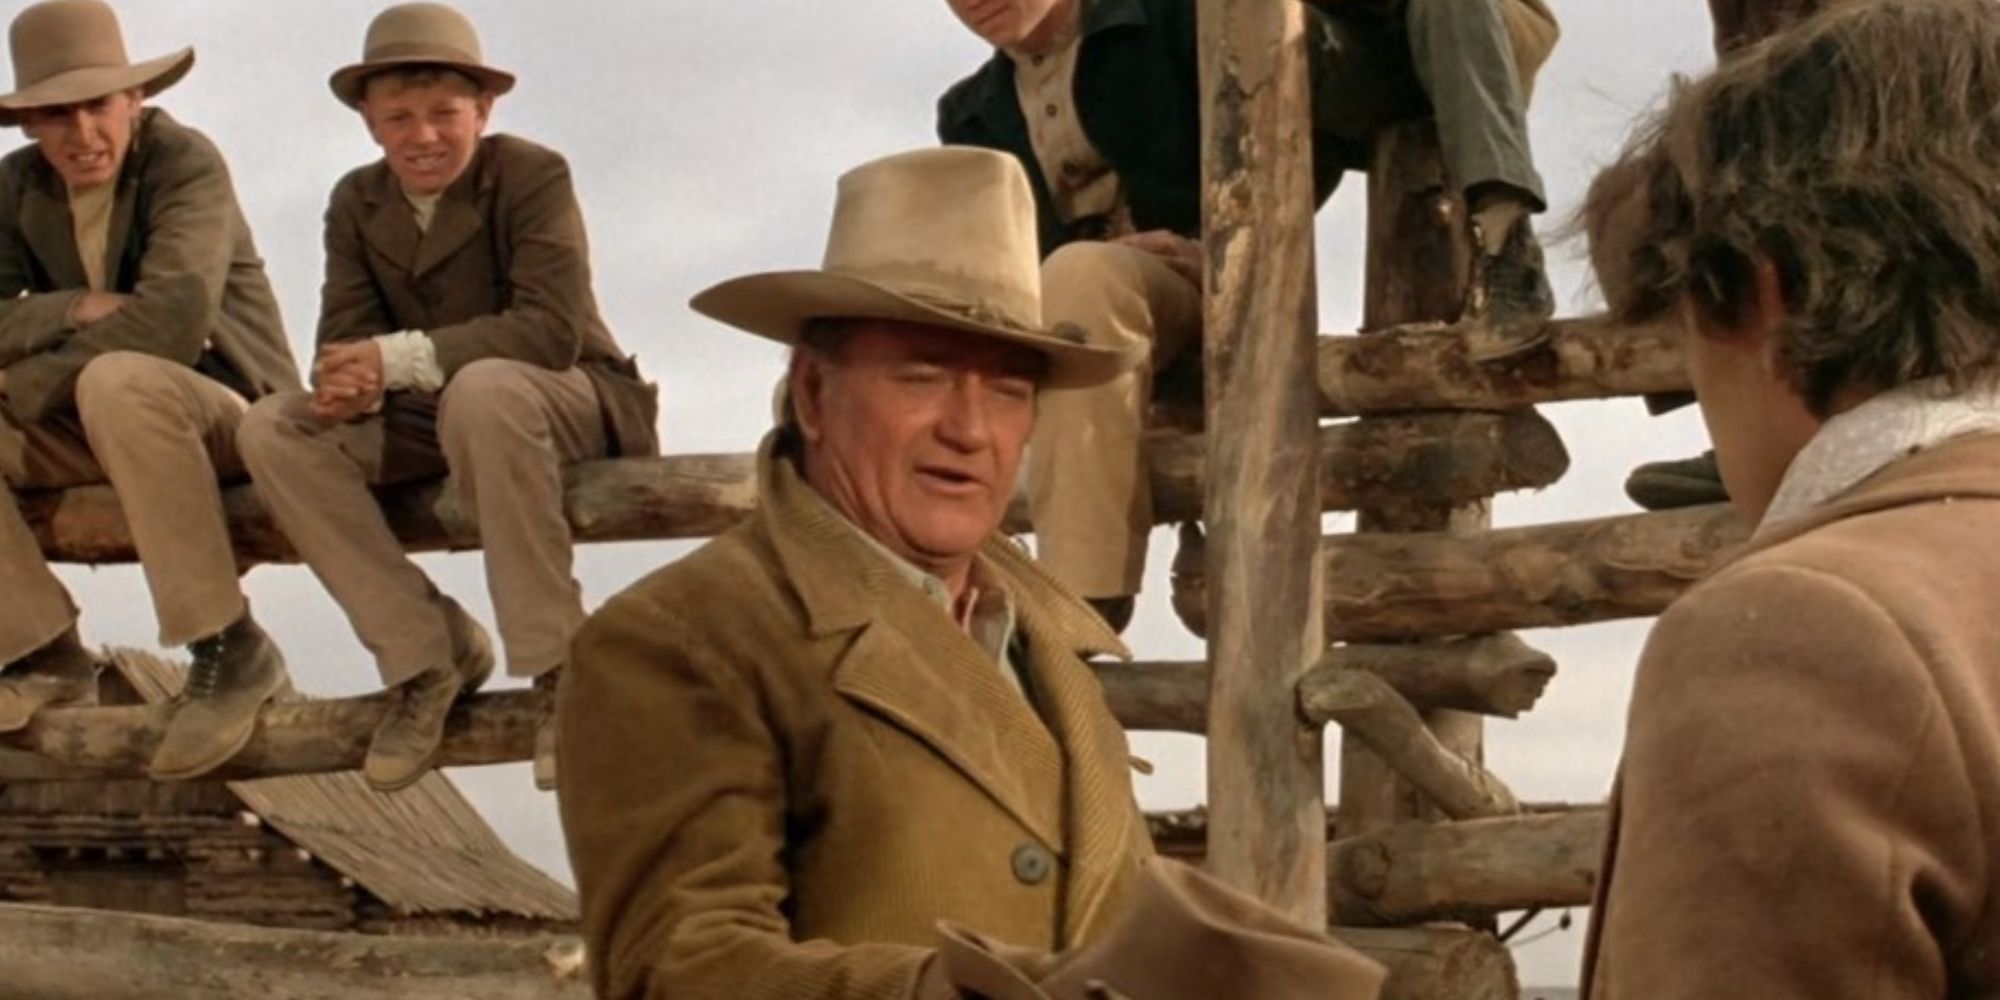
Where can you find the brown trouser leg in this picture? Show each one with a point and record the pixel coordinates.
(1088, 490)
(162, 435)
(503, 429)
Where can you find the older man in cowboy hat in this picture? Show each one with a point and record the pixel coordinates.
(1100, 101)
(458, 333)
(135, 322)
(789, 755)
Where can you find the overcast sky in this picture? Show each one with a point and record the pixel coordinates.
(705, 139)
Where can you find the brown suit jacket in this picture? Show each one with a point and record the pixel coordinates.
(783, 764)
(178, 245)
(503, 272)
(1809, 804)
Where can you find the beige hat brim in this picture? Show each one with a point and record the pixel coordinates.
(348, 82)
(777, 305)
(92, 82)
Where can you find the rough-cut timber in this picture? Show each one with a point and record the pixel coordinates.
(687, 496)
(1437, 963)
(1265, 769)
(1367, 708)
(60, 953)
(1446, 871)
(302, 737)
(1491, 675)
(1571, 573)
(1423, 367)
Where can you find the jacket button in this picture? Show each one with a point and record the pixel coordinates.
(1032, 864)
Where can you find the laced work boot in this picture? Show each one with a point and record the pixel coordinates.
(545, 732)
(1509, 302)
(235, 672)
(61, 674)
(406, 740)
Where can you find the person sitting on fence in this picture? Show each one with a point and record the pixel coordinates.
(789, 755)
(1687, 482)
(1811, 776)
(1100, 100)
(458, 333)
(135, 321)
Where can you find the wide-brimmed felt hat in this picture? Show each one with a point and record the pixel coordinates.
(71, 51)
(418, 34)
(943, 237)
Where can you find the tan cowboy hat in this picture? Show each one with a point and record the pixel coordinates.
(70, 51)
(943, 237)
(1182, 936)
(428, 34)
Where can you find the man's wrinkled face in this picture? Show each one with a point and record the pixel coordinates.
(86, 142)
(915, 433)
(428, 130)
(1004, 23)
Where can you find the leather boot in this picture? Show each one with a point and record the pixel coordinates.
(61, 674)
(545, 733)
(1685, 482)
(235, 672)
(1508, 305)
(406, 740)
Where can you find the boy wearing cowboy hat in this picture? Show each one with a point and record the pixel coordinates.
(135, 323)
(458, 334)
(789, 755)
(1101, 103)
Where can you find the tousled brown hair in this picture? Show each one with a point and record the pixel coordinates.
(1858, 154)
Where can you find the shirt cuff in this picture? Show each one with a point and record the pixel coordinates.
(409, 362)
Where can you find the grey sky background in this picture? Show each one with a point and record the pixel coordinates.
(705, 139)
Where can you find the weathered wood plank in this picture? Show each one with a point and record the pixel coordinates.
(1367, 708)
(687, 496)
(1492, 675)
(1437, 963)
(1264, 764)
(62, 953)
(1424, 367)
(1571, 573)
(299, 737)
(1466, 870)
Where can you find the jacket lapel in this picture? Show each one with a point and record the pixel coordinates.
(124, 209)
(390, 228)
(1099, 808)
(46, 226)
(457, 221)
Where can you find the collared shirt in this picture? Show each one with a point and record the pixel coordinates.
(90, 215)
(1854, 445)
(1082, 184)
(986, 613)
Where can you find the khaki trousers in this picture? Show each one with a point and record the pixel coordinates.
(1088, 490)
(503, 431)
(162, 435)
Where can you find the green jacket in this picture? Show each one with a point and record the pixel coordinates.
(178, 245)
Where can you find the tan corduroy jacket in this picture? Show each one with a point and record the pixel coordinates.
(783, 764)
(1809, 804)
(178, 245)
(502, 272)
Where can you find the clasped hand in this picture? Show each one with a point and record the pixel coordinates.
(347, 380)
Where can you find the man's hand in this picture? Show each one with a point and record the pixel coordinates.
(347, 380)
(93, 306)
(1177, 251)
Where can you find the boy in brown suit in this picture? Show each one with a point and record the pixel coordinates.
(135, 322)
(458, 333)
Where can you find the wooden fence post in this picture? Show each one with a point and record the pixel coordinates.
(1266, 776)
